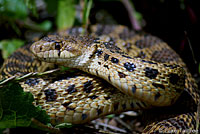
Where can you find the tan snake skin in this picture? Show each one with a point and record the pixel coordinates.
(136, 70)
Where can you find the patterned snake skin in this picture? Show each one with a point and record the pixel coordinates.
(147, 72)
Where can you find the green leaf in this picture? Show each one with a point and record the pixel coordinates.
(86, 11)
(110, 116)
(64, 125)
(42, 27)
(45, 25)
(9, 46)
(64, 68)
(52, 6)
(138, 16)
(13, 8)
(17, 108)
(65, 14)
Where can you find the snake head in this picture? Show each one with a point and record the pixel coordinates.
(54, 46)
(59, 49)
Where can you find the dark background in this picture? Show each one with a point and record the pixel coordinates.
(166, 20)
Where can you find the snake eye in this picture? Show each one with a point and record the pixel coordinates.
(58, 45)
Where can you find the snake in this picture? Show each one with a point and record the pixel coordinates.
(116, 70)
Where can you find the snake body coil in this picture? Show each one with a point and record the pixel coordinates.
(144, 68)
(142, 79)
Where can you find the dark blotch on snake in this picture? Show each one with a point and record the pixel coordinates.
(99, 111)
(109, 77)
(158, 85)
(88, 86)
(70, 108)
(139, 44)
(128, 46)
(157, 96)
(99, 63)
(112, 51)
(144, 104)
(107, 98)
(84, 116)
(99, 52)
(193, 119)
(173, 78)
(93, 97)
(32, 81)
(114, 60)
(134, 88)
(112, 48)
(176, 124)
(150, 62)
(106, 56)
(129, 66)
(171, 66)
(50, 94)
(66, 104)
(97, 72)
(139, 105)
(150, 72)
(91, 55)
(96, 40)
(126, 56)
(59, 52)
(109, 46)
(182, 122)
(3, 74)
(121, 75)
(71, 89)
(141, 55)
(106, 66)
(106, 43)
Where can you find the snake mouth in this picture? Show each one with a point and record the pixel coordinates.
(57, 54)
(53, 56)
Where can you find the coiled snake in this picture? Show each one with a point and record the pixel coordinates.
(143, 70)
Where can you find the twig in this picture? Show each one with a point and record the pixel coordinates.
(131, 12)
(86, 13)
(6, 80)
(38, 124)
(31, 74)
(111, 127)
(195, 61)
(123, 123)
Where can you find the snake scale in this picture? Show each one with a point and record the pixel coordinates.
(120, 70)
